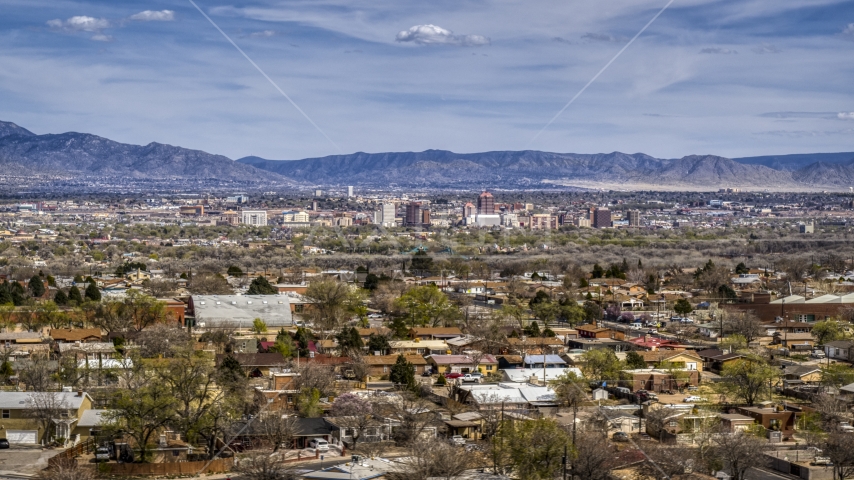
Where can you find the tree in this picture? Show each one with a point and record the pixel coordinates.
(142, 412)
(230, 375)
(209, 284)
(36, 286)
(36, 373)
(60, 298)
(264, 466)
(353, 412)
(43, 407)
(738, 452)
(839, 447)
(372, 282)
(836, 375)
(827, 331)
(74, 296)
(349, 340)
(47, 313)
(591, 455)
(162, 340)
(280, 429)
(332, 303)
(741, 269)
(422, 264)
(235, 271)
(746, 324)
(66, 469)
(402, 373)
(92, 292)
(747, 379)
(259, 326)
(432, 458)
(569, 390)
(536, 448)
(683, 307)
(378, 343)
(260, 286)
(634, 360)
(308, 403)
(427, 306)
(600, 364)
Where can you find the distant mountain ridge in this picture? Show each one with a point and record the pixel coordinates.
(85, 155)
(441, 168)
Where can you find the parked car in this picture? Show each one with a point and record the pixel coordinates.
(458, 440)
(453, 375)
(102, 454)
(319, 444)
(620, 437)
(4, 443)
(472, 378)
(693, 399)
(818, 354)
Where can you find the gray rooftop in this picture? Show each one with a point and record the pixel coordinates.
(18, 400)
(241, 310)
(92, 418)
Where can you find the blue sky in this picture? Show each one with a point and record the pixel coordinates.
(733, 78)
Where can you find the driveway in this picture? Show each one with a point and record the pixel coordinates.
(24, 460)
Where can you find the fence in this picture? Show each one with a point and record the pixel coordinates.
(219, 465)
(84, 447)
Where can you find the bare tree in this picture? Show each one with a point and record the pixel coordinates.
(66, 469)
(315, 376)
(746, 324)
(279, 429)
(839, 447)
(265, 466)
(209, 284)
(591, 456)
(36, 373)
(44, 407)
(738, 452)
(432, 459)
(161, 339)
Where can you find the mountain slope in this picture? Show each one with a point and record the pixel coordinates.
(796, 161)
(82, 154)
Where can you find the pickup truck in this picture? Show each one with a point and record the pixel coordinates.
(472, 378)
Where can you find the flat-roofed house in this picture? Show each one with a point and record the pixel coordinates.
(240, 311)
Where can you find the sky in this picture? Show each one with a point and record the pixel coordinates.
(725, 77)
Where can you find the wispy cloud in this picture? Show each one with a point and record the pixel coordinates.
(562, 40)
(848, 31)
(263, 34)
(845, 115)
(434, 35)
(789, 115)
(100, 37)
(154, 16)
(806, 133)
(603, 37)
(766, 48)
(719, 51)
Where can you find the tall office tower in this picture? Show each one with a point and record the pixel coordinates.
(485, 204)
(349, 191)
(253, 217)
(468, 210)
(634, 218)
(385, 215)
(413, 214)
(425, 218)
(600, 218)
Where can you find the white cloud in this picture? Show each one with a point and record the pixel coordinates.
(263, 34)
(845, 115)
(719, 51)
(766, 48)
(80, 23)
(100, 37)
(603, 37)
(848, 30)
(154, 16)
(433, 35)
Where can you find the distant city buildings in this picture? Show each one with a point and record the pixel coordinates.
(485, 204)
(600, 218)
(385, 215)
(350, 191)
(633, 216)
(413, 214)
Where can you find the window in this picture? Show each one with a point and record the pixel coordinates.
(488, 368)
(385, 369)
(6, 414)
(674, 423)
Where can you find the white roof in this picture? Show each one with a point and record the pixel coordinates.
(18, 400)
(241, 310)
(522, 375)
(92, 418)
(106, 363)
(790, 299)
(511, 393)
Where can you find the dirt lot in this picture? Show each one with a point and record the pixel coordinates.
(24, 460)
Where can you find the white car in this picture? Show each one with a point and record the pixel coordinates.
(458, 440)
(693, 399)
(319, 444)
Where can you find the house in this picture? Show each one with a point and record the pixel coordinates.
(90, 424)
(537, 361)
(595, 331)
(840, 350)
(658, 380)
(380, 365)
(281, 392)
(733, 422)
(591, 343)
(509, 361)
(421, 347)
(801, 374)
(71, 335)
(257, 364)
(536, 375)
(366, 333)
(513, 396)
(795, 342)
(682, 359)
(485, 364)
(435, 333)
(375, 431)
(715, 359)
(847, 391)
(777, 419)
(17, 427)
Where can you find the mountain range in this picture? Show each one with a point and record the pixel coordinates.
(86, 156)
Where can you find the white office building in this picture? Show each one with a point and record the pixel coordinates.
(349, 191)
(253, 217)
(385, 215)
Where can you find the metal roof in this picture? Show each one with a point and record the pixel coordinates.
(241, 310)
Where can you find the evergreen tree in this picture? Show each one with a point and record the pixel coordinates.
(5, 294)
(378, 343)
(741, 269)
(92, 293)
(261, 286)
(61, 299)
(36, 286)
(635, 360)
(402, 373)
(372, 282)
(598, 271)
(74, 295)
(349, 340)
(235, 271)
(78, 279)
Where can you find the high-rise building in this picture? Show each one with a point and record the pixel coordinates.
(413, 214)
(253, 217)
(634, 218)
(485, 204)
(349, 191)
(600, 218)
(318, 193)
(425, 218)
(385, 215)
(468, 210)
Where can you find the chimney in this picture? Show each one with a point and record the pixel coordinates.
(79, 393)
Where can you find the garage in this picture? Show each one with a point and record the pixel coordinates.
(22, 436)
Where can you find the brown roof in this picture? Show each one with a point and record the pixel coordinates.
(662, 355)
(436, 331)
(366, 332)
(390, 359)
(591, 328)
(534, 341)
(74, 334)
